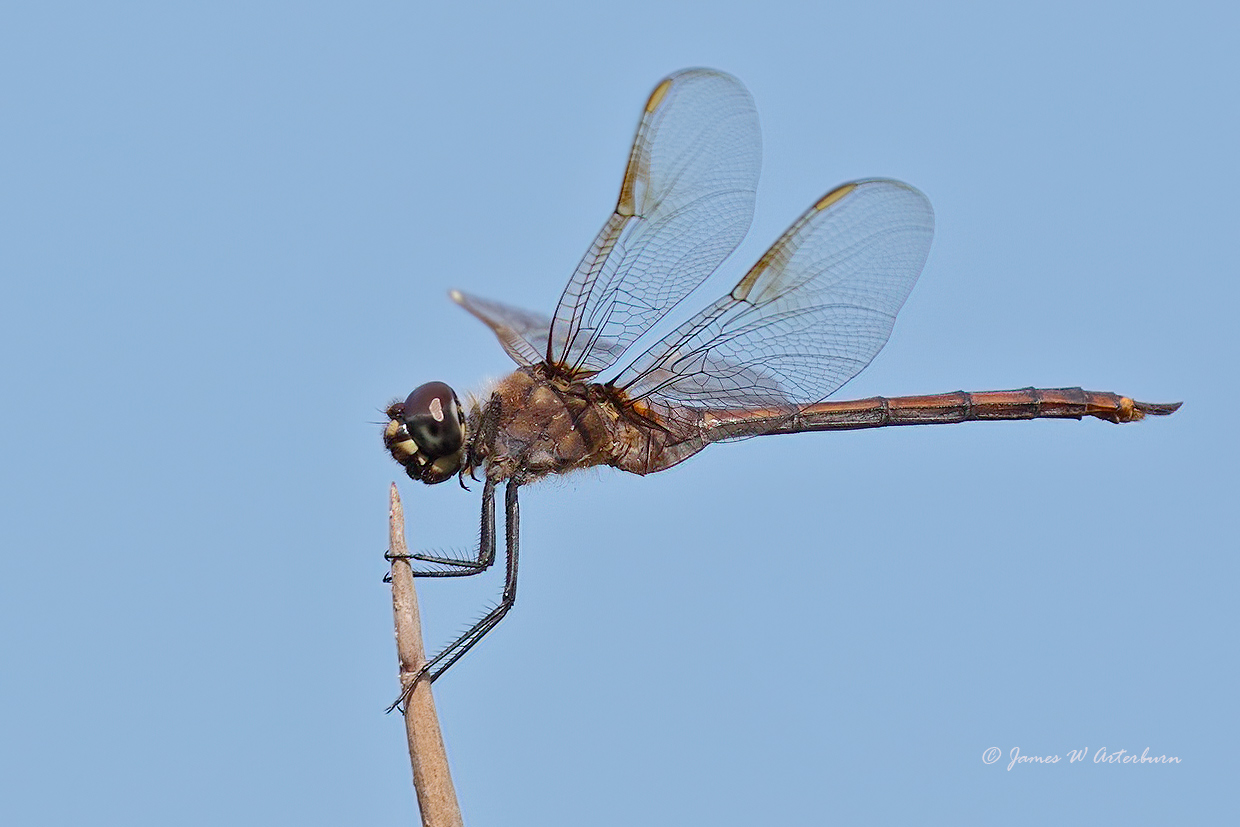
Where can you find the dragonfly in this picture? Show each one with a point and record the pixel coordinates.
(762, 359)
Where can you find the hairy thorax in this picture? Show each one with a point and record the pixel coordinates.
(535, 424)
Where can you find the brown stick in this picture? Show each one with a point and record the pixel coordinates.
(431, 778)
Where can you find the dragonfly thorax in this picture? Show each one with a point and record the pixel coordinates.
(535, 424)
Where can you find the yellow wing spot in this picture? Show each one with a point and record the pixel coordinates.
(833, 196)
(656, 97)
(745, 285)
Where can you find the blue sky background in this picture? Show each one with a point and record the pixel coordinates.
(226, 233)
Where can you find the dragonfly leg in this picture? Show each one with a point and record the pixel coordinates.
(439, 664)
(461, 567)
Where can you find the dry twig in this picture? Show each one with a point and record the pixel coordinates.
(431, 779)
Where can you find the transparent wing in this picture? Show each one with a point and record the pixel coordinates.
(814, 310)
(522, 333)
(686, 201)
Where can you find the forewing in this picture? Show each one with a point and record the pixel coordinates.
(814, 310)
(686, 201)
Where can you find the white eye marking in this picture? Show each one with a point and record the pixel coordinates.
(437, 409)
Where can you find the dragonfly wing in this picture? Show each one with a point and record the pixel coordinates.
(686, 201)
(814, 310)
(522, 333)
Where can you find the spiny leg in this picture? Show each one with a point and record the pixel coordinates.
(462, 568)
(439, 664)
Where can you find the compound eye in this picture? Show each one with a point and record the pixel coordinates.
(432, 416)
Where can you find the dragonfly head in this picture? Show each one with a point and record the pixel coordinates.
(426, 433)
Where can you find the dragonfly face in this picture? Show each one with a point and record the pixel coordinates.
(426, 433)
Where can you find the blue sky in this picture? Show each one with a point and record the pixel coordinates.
(226, 237)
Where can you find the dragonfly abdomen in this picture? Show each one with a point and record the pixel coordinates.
(942, 409)
(963, 406)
